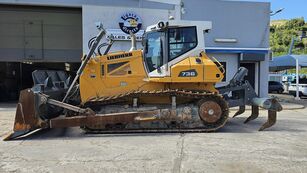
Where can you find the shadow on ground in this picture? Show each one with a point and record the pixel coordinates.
(234, 125)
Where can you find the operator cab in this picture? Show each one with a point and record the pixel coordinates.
(168, 43)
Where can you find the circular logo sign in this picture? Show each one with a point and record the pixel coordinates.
(130, 22)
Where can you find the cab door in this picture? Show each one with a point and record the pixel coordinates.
(155, 54)
(183, 66)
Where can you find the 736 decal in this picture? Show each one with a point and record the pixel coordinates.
(188, 73)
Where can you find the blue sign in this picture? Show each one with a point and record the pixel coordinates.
(130, 22)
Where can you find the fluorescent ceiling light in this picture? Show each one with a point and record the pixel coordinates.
(226, 40)
(173, 2)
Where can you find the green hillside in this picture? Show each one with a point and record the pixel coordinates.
(281, 33)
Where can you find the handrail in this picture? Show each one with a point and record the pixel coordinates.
(220, 66)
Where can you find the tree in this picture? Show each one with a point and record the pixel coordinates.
(281, 35)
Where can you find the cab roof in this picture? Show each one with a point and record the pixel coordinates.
(202, 25)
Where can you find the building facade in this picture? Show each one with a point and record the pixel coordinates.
(53, 34)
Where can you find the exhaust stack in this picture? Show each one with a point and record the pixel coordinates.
(133, 42)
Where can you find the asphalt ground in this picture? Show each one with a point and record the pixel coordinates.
(235, 148)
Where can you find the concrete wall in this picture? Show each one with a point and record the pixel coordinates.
(264, 77)
(110, 18)
(248, 22)
(79, 3)
(231, 66)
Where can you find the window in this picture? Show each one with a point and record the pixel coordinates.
(112, 67)
(181, 40)
(154, 50)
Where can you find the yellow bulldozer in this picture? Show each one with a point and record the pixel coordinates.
(168, 86)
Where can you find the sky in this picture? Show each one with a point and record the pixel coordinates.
(293, 8)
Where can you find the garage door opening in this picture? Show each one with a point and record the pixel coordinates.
(36, 37)
(251, 67)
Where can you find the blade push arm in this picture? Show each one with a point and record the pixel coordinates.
(85, 61)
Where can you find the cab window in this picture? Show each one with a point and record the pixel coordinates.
(181, 40)
(154, 51)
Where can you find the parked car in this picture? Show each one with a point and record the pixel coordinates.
(302, 89)
(276, 87)
(302, 86)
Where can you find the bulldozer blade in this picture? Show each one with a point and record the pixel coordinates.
(254, 115)
(271, 120)
(15, 134)
(26, 120)
(240, 111)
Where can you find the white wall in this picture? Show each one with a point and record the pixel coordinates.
(248, 22)
(231, 65)
(264, 77)
(79, 3)
(110, 18)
